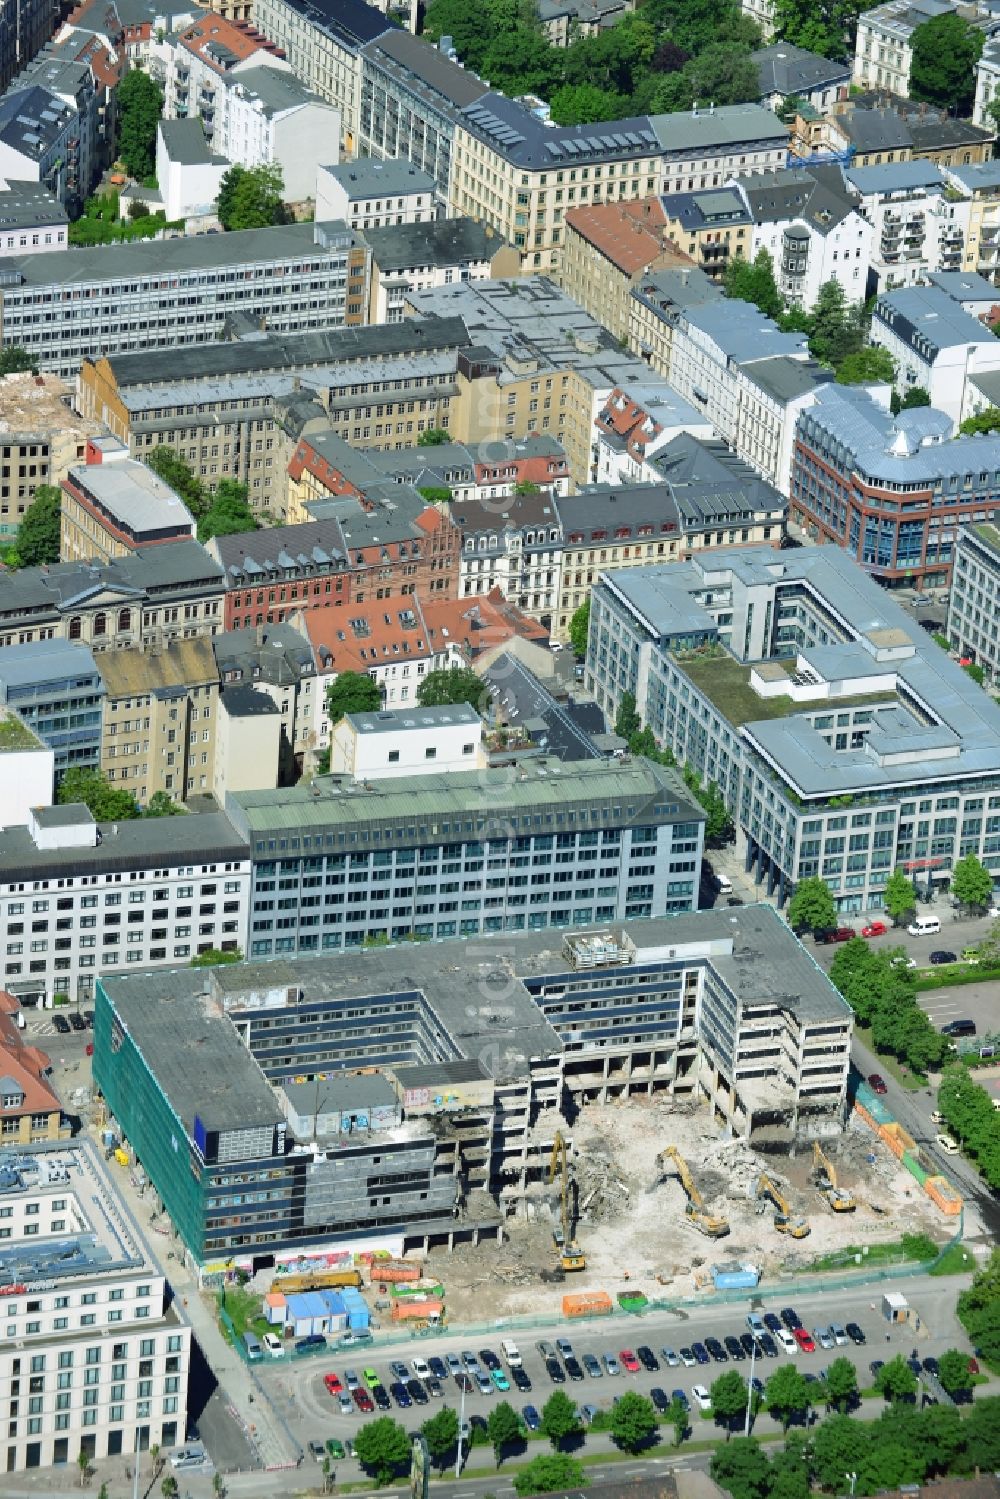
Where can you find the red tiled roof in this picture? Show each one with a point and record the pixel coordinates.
(26, 1066)
(631, 235)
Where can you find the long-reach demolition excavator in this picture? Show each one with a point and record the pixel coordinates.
(571, 1256)
(826, 1179)
(713, 1228)
(795, 1228)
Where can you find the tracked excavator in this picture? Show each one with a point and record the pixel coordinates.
(711, 1227)
(795, 1228)
(571, 1256)
(826, 1179)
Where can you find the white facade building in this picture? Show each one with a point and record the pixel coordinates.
(915, 226)
(883, 49)
(145, 893)
(368, 194)
(27, 768)
(96, 1354)
(407, 741)
(936, 344)
(637, 422)
(188, 171)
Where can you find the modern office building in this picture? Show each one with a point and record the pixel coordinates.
(845, 743)
(69, 305)
(254, 1070)
(974, 600)
(96, 1354)
(56, 688)
(337, 865)
(851, 463)
(160, 594)
(78, 898)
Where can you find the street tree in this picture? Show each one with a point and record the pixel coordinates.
(979, 1310)
(900, 896)
(169, 1487)
(787, 1394)
(633, 1422)
(383, 1449)
(352, 692)
(551, 1473)
(729, 1398)
(971, 882)
(441, 1434)
(559, 1418)
(38, 533)
(679, 1418)
(840, 1445)
(741, 1467)
(946, 50)
(953, 1372)
(791, 1470)
(458, 684)
(896, 1380)
(579, 628)
(812, 907)
(503, 1428)
(841, 1384)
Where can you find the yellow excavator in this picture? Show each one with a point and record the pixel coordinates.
(713, 1228)
(571, 1256)
(826, 1176)
(795, 1228)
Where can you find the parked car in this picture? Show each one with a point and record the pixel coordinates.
(768, 1346)
(680, 1395)
(670, 1357)
(416, 1391)
(310, 1341)
(839, 1334)
(573, 1367)
(772, 1321)
(532, 1419)
(855, 1334)
(835, 934)
(734, 1348)
(611, 1365)
(716, 1350)
(438, 1367)
(702, 1399)
(488, 1359)
(500, 1379)
(380, 1395)
(787, 1342)
(877, 1082)
(687, 1358)
(874, 929)
(371, 1379)
(943, 955)
(790, 1318)
(420, 1367)
(948, 1144)
(564, 1347)
(333, 1383)
(363, 1400)
(61, 1024)
(77, 1022)
(555, 1371)
(659, 1399)
(629, 1361)
(805, 1340)
(592, 1366)
(399, 1393)
(398, 1369)
(521, 1379)
(823, 1336)
(273, 1344)
(647, 1358)
(346, 1403)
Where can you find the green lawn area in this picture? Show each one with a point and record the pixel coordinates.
(954, 1261)
(906, 1079)
(912, 1247)
(726, 683)
(14, 735)
(244, 1308)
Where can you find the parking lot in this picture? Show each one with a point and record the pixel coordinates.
(315, 1397)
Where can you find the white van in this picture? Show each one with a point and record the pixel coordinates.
(251, 1344)
(725, 885)
(924, 926)
(511, 1355)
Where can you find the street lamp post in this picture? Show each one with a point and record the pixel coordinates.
(853, 1478)
(753, 1364)
(461, 1423)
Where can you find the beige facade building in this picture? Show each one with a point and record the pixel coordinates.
(248, 742)
(609, 246)
(113, 506)
(160, 719)
(41, 436)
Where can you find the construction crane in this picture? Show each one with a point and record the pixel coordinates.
(571, 1256)
(796, 1228)
(823, 1168)
(713, 1228)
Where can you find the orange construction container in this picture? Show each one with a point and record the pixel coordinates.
(587, 1304)
(318, 1280)
(416, 1311)
(389, 1270)
(940, 1190)
(896, 1138)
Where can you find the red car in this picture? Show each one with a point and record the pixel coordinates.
(877, 1083)
(363, 1400)
(973, 1366)
(333, 1384)
(874, 929)
(628, 1361)
(804, 1339)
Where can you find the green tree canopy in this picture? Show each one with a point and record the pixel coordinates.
(181, 477)
(915, 396)
(867, 367)
(106, 802)
(842, 1384)
(252, 197)
(969, 1113)
(441, 1434)
(719, 825)
(436, 494)
(579, 628)
(584, 104)
(812, 907)
(827, 27)
(228, 512)
(946, 50)
(633, 1422)
(503, 1428)
(971, 882)
(838, 326)
(559, 1418)
(840, 1445)
(15, 361)
(753, 281)
(352, 692)
(459, 684)
(729, 1397)
(627, 721)
(383, 1448)
(953, 1372)
(787, 1394)
(900, 896)
(140, 105)
(551, 1473)
(982, 1433)
(985, 421)
(679, 1418)
(214, 957)
(434, 437)
(742, 1468)
(161, 804)
(896, 1380)
(38, 533)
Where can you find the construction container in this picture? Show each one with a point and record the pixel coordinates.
(897, 1139)
(941, 1192)
(587, 1304)
(389, 1271)
(735, 1277)
(427, 1310)
(318, 1280)
(417, 1288)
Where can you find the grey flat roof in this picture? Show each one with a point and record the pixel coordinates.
(895, 176)
(743, 332)
(244, 701)
(139, 843)
(785, 378)
(68, 815)
(926, 314)
(25, 205)
(277, 89)
(975, 178)
(391, 720)
(339, 1092)
(417, 1074)
(45, 661)
(443, 242)
(133, 494)
(964, 286)
(351, 21)
(366, 178)
(185, 143)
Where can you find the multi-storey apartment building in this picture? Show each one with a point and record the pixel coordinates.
(236, 410)
(36, 131)
(608, 248)
(277, 662)
(937, 345)
(719, 1007)
(24, 30)
(172, 592)
(845, 742)
(916, 225)
(514, 544)
(979, 187)
(96, 1356)
(169, 293)
(78, 899)
(417, 257)
(368, 193)
(160, 719)
(56, 688)
(30, 1111)
(852, 463)
(883, 49)
(411, 98)
(656, 304)
(322, 42)
(974, 599)
(433, 857)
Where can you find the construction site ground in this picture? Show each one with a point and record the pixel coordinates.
(633, 1227)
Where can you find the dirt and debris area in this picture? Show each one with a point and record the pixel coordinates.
(632, 1221)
